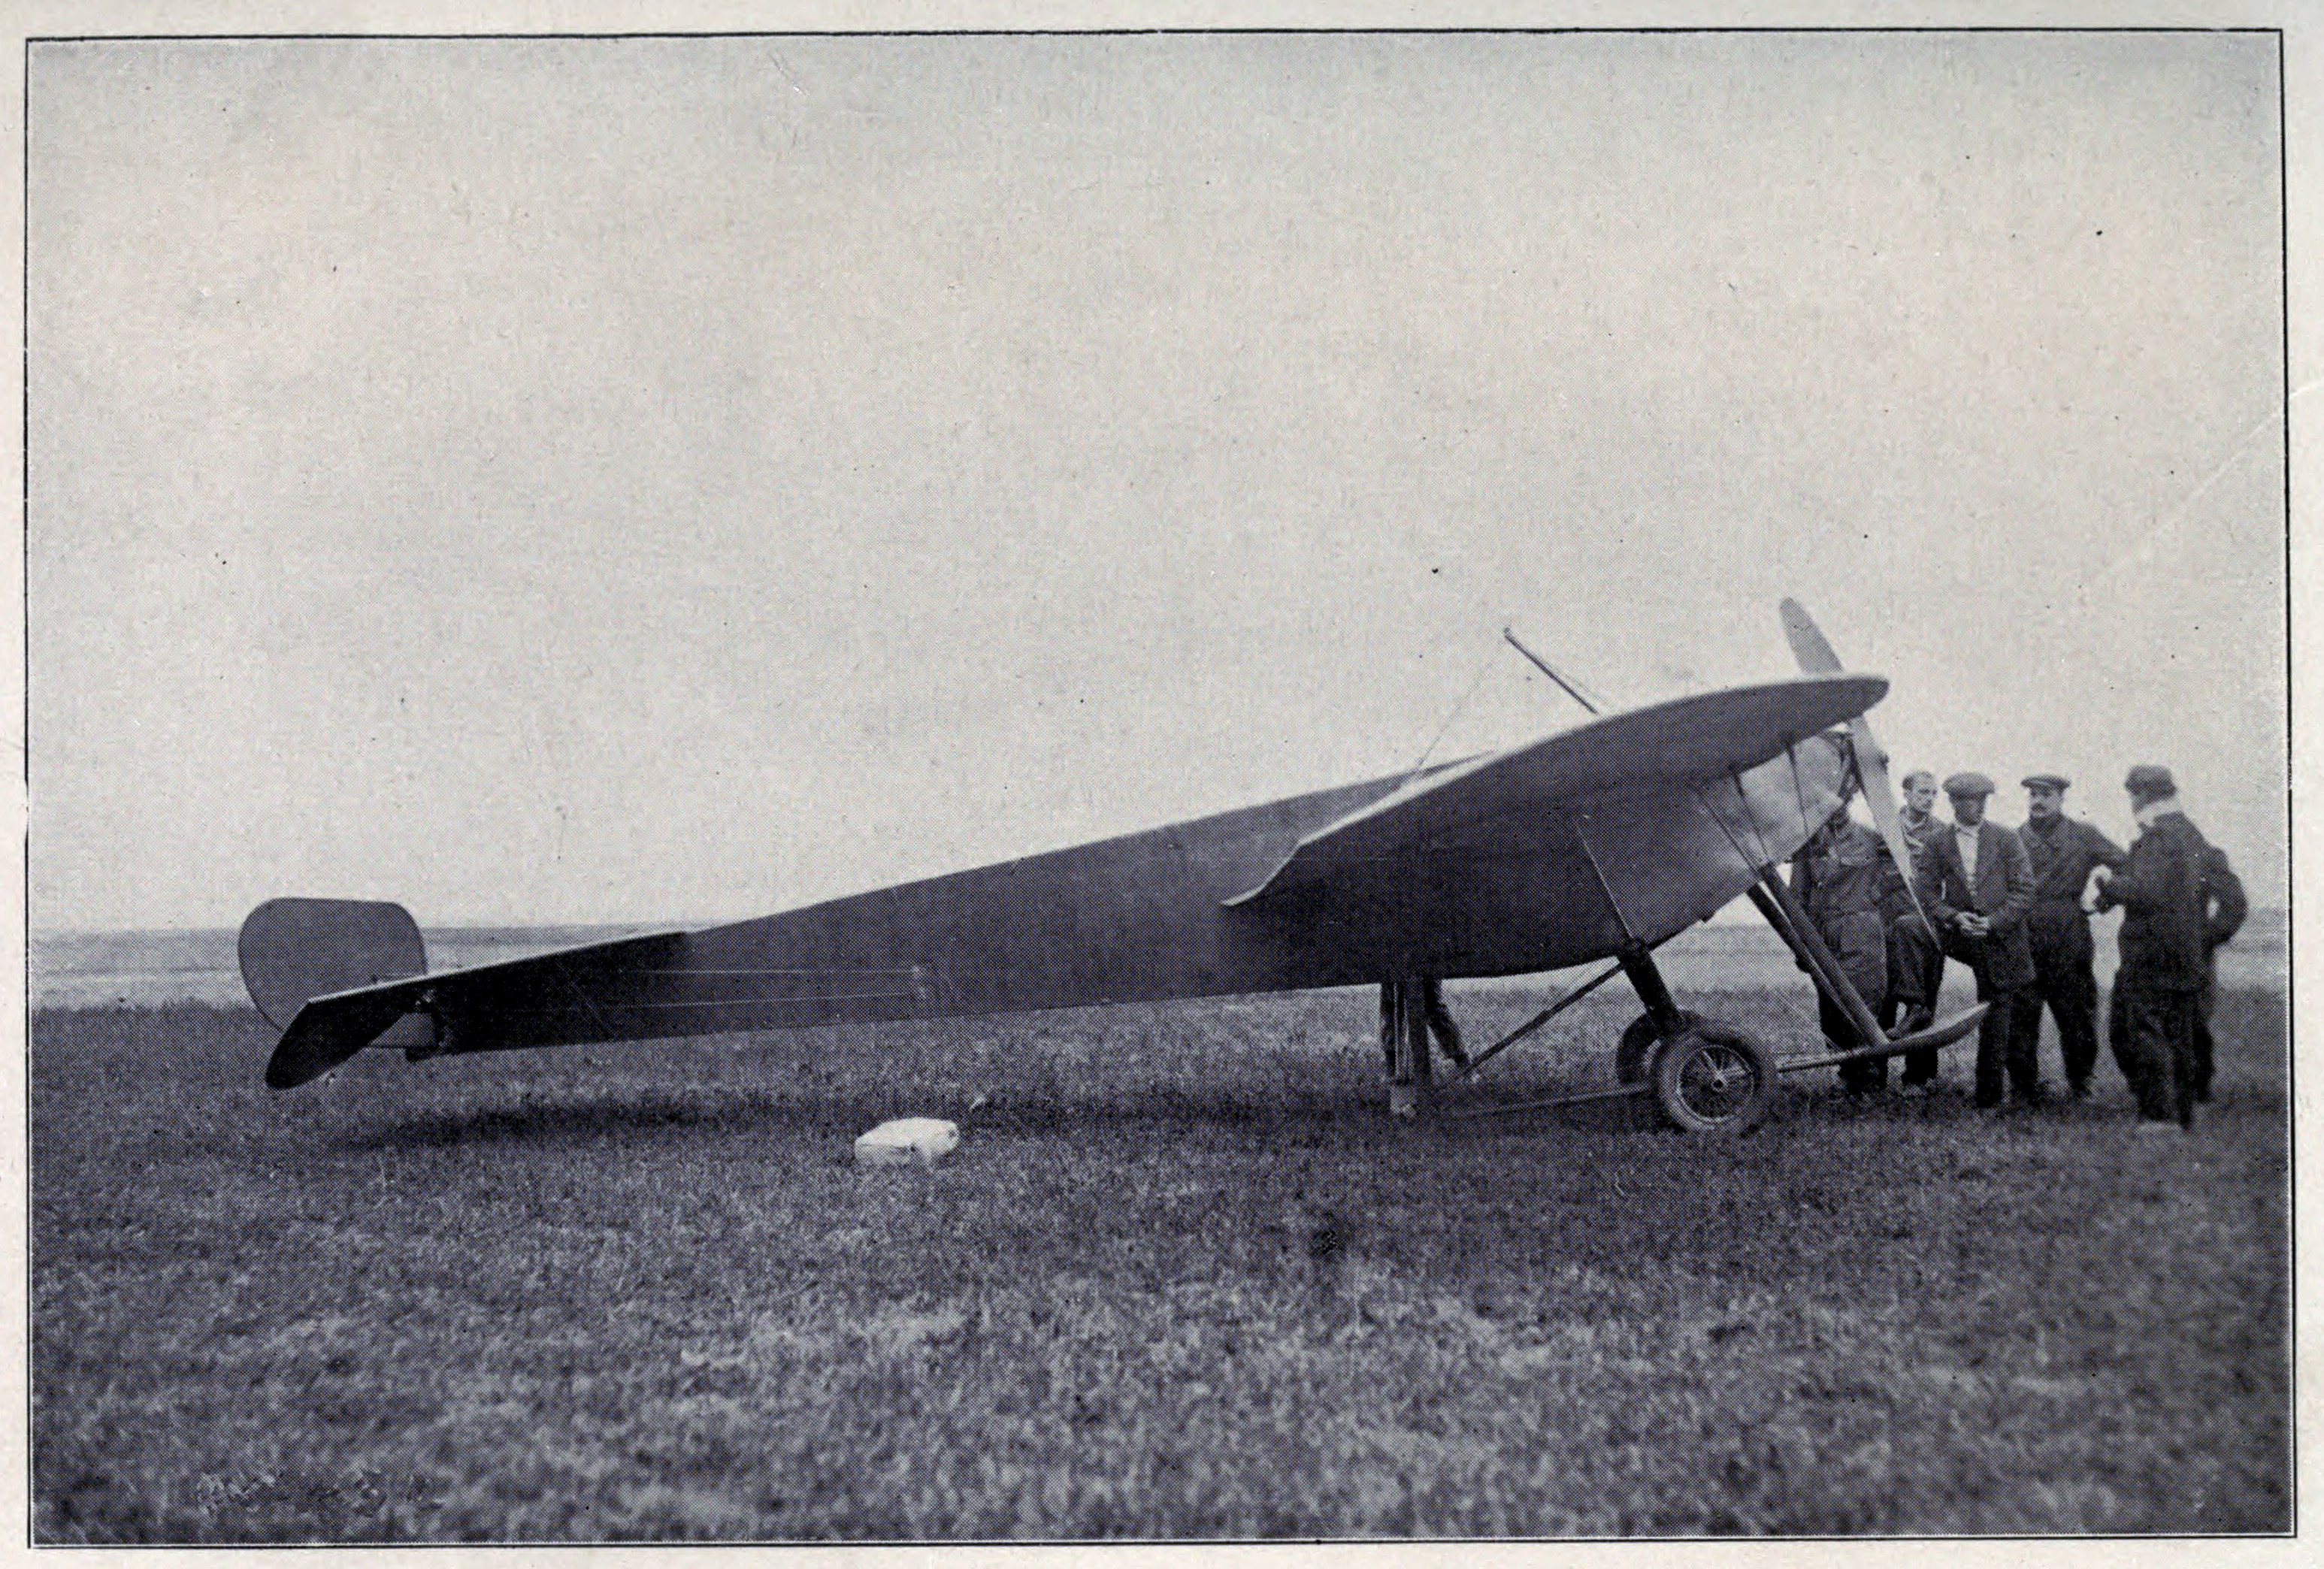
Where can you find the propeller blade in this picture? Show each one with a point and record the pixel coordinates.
(1807, 640)
(1872, 767)
(1816, 657)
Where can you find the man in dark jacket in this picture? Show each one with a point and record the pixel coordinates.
(2063, 853)
(1847, 882)
(1977, 885)
(2224, 909)
(2151, 1020)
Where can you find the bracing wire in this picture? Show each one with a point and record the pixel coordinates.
(1475, 682)
(1751, 818)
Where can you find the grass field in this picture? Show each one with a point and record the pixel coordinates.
(643, 1293)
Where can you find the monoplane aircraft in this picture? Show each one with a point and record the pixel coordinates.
(1600, 842)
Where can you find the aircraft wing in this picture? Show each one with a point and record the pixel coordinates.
(1711, 737)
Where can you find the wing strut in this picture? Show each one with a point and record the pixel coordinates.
(1782, 910)
(1780, 906)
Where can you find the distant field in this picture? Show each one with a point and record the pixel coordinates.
(618, 1294)
(97, 970)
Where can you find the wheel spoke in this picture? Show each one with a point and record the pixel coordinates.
(1717, 1082)
(1714, 1080)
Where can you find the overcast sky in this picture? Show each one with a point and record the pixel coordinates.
(633, 481)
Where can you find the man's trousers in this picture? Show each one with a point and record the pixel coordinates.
(2153, 1034)
(1999, 1055)
(2062, 979)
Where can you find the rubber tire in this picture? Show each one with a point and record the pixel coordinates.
(1711, 1034)
(1634, 1058)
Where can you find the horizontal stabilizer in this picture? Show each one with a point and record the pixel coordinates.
(1690, 740)
(330, 1029)
(326, 1033)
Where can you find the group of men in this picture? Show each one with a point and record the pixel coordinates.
(2009, 904)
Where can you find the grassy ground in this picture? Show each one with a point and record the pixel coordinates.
(1181, 1279)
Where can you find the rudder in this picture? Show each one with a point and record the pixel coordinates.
(292, 950)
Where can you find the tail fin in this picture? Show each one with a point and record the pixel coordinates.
(292, 950)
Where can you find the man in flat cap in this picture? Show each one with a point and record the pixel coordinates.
(1977, 885)
(2063, 853)
(2151, 1020)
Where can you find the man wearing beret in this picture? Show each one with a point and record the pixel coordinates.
(1977, 885)
(2063, 853)
(2151, 1020)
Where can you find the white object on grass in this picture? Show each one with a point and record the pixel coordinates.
(907, 1139)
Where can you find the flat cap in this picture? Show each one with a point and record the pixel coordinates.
(2045, 782)
(1968, 785)
(2150, 779)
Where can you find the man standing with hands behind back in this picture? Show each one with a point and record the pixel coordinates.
(1977, 885)
(1916, 965)
(1919, 819)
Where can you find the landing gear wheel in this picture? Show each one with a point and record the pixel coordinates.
(1714, 1080)
(1634, 1058)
